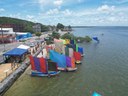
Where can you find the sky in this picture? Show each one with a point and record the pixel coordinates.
(68, 12)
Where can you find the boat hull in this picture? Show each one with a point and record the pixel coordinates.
(40, 74)
(71, 69)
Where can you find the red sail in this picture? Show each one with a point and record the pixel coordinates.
(43, 65)
(77, 56)
(32, 62)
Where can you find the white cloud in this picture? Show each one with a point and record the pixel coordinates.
(2, 10)
(30, 16)
(106, 8)
(59, 13)
(67, 12)
(52, 11)
(18, 15)
(58, 2)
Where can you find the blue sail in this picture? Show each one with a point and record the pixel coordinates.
(96, 94)
(80, 49)
(58, 58)
(96, 38)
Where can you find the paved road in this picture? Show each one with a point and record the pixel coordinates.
(14, 45)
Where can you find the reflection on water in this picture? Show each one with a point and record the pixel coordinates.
(104, 69)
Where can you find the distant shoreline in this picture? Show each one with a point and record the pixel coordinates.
(95, 26)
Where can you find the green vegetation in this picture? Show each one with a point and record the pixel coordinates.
(68, 36)
(88, 39)
(55, 35)
(49, 40)
(27, 25)
(78, 39)
(38, 34)
(60, 26)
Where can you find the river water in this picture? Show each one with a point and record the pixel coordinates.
(104, 69)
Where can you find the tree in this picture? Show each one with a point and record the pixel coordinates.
(88, 39)
(38, 34)
(60, 26)
(44, 28)
(68, 36)
(55, 35)
(69, 28)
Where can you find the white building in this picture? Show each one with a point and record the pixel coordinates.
(7, 31)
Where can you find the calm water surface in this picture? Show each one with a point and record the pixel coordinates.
(104, 69)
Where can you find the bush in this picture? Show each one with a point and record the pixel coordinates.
(88, 39)
(55, 35)
(38, 34)
(80, 39)
(68, 36)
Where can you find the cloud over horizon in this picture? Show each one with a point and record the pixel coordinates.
(70, 12)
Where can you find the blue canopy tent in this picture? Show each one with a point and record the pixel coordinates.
(15, 52)
(23, 36)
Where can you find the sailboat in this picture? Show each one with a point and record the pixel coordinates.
(64, 63)
(71, 66)
(80, 50)
(59, 59)
(41, 67)
(77, 57)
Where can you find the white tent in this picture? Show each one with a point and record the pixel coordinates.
(23, 47)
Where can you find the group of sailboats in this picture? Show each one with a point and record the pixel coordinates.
(63, 55)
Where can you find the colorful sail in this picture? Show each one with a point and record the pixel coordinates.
(52, 66)
(80, 50)
(71, 41)
(38, 64)
(58, 58)
(49, 47)
(76, 47)
(44, 53)
(96, 38)
(96, 94)
(67, 41)
(66, 51)
(58, 45)
(77, 56)
(70, 52)
(74, 41)
(63, 50)
(68, 61)
(32, 62)
(73, 62)
(43, 65)
(64, 42)
(40, 67)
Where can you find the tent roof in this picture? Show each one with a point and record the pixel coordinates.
(15, 52)
(23, 47)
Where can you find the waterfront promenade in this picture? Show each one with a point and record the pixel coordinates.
(6, 68)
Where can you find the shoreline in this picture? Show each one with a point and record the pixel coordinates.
(9, 80)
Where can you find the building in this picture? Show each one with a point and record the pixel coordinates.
(16, 27)
(7, 35)
(37, 27)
